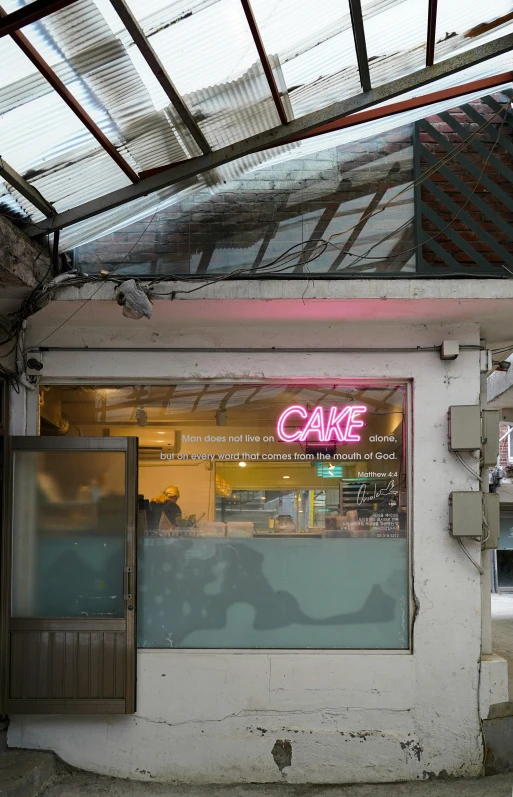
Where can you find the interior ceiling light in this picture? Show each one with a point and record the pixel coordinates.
(286, 477)
(242, 464)
(141, 416)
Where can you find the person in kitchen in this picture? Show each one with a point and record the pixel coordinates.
(165, 509)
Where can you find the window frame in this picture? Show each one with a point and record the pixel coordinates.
(369, 382)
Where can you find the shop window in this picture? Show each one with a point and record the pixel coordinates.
(270, 516)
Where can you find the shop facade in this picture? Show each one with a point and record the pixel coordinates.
(297, 619)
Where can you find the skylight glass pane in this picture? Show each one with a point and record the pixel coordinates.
(323, 75)
(396, 39)
(312, 22)
(462, 25)
(44, 128)
(37, 36)
(15, 65)
(211, 47)
(316, 53)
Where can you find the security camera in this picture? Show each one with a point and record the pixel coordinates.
(504, 365)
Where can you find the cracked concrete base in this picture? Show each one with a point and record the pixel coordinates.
(80, 784)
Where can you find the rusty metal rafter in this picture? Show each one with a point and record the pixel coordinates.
(30, 13)
(27, 190)
(153, 61)
(264, 60)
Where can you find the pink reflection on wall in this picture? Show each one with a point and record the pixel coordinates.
(339, 425)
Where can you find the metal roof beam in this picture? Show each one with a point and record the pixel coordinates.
(264, 60)
(408, 105)
(431, 33)
(332, 117)
(25, 189)
(57, 84)
(355, 8)
(156, 66)
(31, 13)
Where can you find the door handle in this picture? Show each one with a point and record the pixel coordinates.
(127, 583)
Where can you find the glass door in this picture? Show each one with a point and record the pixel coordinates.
(69, 588)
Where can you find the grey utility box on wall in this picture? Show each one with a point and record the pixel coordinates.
(466, 514)
(465, 428)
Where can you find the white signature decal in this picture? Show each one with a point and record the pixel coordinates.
(362, 496)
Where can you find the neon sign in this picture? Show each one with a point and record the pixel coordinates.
(338, 426)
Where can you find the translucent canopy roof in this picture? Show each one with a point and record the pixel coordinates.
(209, 52)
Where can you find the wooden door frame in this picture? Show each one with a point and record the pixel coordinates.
(129, 446)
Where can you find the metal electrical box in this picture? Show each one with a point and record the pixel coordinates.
(465, 428)
(466, 514)
(490, 436)
(492, 514)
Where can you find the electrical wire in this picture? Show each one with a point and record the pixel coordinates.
(99, 287)
(324, 243)
(17, 326)
(485, 522)
(470, 470)
(482, 540)
(433, 169)
(468, 555)
(436, 168)
(39, 298)
(446, 159)
(425, 175)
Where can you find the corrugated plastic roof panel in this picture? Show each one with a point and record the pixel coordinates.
(207, 48)
(204, 49)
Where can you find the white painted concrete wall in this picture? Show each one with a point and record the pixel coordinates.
(207, 717)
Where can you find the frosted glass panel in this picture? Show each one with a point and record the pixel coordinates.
(273, 593)
(68, 534)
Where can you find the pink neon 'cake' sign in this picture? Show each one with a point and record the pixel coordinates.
(337, 424)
